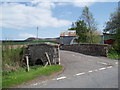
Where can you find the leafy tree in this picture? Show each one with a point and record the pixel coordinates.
(113, 24)
(86, 28)
(90, 22)
(81, 31)
(113, 27)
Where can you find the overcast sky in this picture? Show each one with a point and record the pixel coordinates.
(20, 19)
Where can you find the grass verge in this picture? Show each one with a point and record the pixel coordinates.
(20, 76)
(113, 54)
(0, 81)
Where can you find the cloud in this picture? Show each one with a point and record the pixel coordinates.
(36, 12)
(18, 15)
(59, 1)
(26, 35)
(82, 4)
(77, 3)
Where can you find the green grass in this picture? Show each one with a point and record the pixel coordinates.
(0, 81)
(113, 54)
(11, 57)
(27, 42)
(20, 76)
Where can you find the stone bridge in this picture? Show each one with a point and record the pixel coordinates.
(42, 54)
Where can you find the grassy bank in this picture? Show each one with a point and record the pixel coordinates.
(113, 54)
(27, 42)
(0, 81)
(11, 58)
(20, 76)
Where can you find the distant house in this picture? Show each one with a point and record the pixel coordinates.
(68, 37)
(68, 33)
(108, 38)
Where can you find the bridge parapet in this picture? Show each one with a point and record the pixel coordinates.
(89, 49)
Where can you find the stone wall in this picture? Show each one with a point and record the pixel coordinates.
(89, 49)
(37, 53)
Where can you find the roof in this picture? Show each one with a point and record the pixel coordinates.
(108, 34)
(66, 39)
(68, 33)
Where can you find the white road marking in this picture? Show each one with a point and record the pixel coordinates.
(103, 63)
(116, 62)
(96, 70)
(61, 78)
(109, 67)
(80, 73)
(102, 68)
(54, 79)
(35, 84)
(90, 71)
(73, 55)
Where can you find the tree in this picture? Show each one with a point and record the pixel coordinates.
(81, 31)
(86, 28)
(90, 22)
(113, 24)
(113, 27)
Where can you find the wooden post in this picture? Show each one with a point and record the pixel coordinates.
(48, 58)
(27, 60)
(46, 64)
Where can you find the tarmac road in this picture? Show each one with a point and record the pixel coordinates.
(83, 71)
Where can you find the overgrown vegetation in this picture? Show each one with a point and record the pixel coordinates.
(11, 58)
(27, 42)
(20, 76)
(0, 67)
(113, 27)
(113, 54)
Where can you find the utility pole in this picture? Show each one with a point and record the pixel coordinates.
(37, 32)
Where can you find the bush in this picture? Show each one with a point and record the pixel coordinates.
(113, 53)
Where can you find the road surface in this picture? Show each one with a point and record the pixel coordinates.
(82, 71)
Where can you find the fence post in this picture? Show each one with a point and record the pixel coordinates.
(27, 60)
(48, 58)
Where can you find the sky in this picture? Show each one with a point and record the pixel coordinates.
(20, 19)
